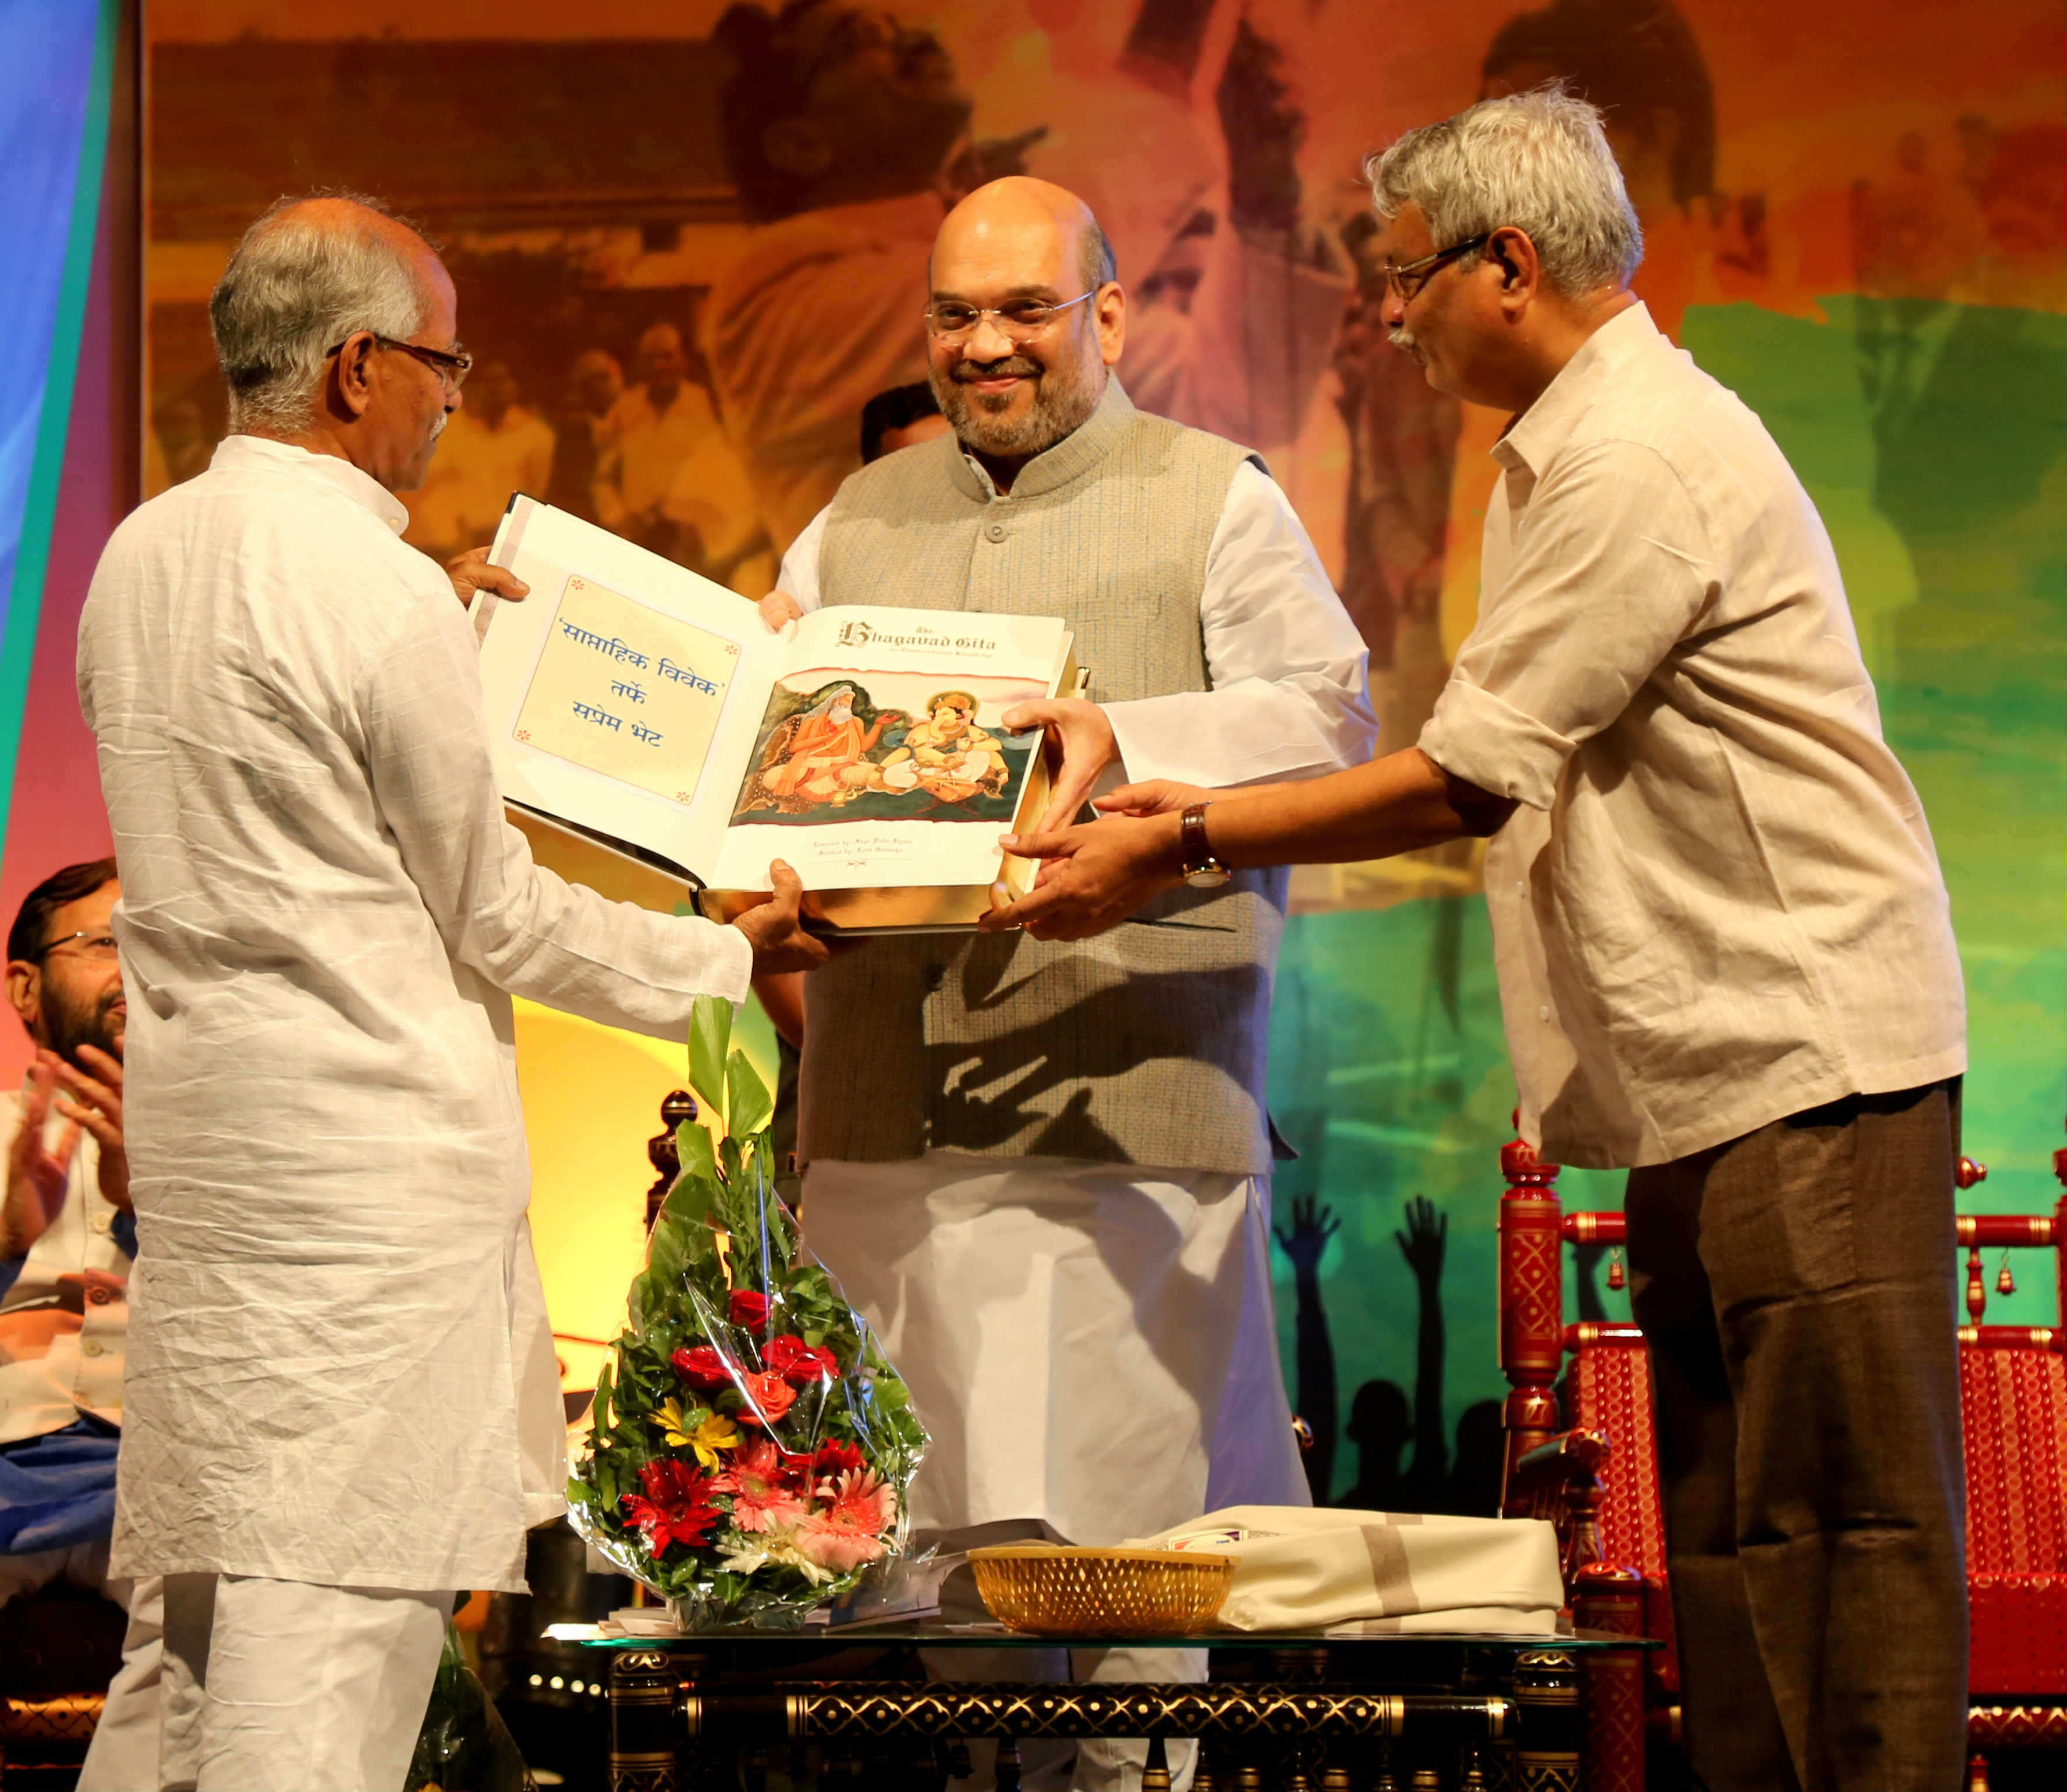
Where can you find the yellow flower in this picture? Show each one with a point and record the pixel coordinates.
(704, 1432)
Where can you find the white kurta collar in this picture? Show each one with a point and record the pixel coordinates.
(361, 488)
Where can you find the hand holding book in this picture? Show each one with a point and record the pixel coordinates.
(1084, 735)
(775, 928)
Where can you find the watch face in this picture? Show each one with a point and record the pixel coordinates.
(1207, 877)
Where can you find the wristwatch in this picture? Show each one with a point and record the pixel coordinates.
(1201, 869)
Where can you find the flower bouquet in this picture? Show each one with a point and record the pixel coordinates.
(750, 1447)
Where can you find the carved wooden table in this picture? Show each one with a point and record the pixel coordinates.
(683, 1709)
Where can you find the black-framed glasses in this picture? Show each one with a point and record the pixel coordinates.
(451, 368)
(1018, 319)
(99, 947)
(1406, 279)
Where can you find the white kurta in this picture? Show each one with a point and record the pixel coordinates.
(340, 1369)
(1091, 1345)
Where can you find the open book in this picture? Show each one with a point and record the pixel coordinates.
(654, 739)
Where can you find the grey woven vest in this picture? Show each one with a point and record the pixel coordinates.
(1147, 1045)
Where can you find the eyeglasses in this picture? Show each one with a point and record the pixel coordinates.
(1018, 319)
(1406, 279)
(451, 368)
(100, 948)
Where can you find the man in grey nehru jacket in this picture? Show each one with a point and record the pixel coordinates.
(1044, 1169)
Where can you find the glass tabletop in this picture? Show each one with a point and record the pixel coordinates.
(931, 1633)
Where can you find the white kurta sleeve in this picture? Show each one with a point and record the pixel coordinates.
(1289, 697)
(521, 928)
(799, 576)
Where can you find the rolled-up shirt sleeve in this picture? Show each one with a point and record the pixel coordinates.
(1289, 698)
(1612, 569)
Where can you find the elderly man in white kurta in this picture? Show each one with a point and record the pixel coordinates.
(342, 1402)
(1045, 1172)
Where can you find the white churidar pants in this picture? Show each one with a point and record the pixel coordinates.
(123, 1756)
(1091, 1348)
(276, 1684)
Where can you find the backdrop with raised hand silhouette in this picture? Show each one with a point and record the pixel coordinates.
(1857, 217)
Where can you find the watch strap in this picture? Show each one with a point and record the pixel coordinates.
(1191, 839)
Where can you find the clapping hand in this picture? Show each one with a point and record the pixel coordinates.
(38, 1171)
(92, 1098)
(1313, 1226)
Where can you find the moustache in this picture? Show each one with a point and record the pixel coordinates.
(1012, 366)
(1402, 341)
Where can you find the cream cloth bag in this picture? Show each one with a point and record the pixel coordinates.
(1300, 1567)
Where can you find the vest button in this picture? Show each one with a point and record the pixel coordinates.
(100, 1297)
(993, 531)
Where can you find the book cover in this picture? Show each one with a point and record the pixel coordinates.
(648, 726)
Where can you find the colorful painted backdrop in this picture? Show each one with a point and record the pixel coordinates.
(1857, 215)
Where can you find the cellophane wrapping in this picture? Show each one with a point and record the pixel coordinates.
(750, 1447)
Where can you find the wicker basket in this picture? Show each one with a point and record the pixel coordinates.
(1055, 1590)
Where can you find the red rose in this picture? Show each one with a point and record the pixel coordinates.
(764, 1398)
(798, 1362)
(676, 1508)
(833, 1459)
(748, 1309)
(701, 1367)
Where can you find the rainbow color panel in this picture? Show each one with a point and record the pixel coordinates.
(55, 60)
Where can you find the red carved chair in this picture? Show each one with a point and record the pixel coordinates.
(1594, 1473)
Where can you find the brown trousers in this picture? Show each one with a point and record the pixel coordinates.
(1797, 1290)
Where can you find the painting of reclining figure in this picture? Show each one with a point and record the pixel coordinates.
(843, 751)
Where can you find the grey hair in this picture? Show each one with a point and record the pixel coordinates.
(1539, 161)
(295, 288)
(1097, 265)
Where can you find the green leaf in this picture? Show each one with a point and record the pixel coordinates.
(693, 1189)
(667, 1250)
(710, 1032)
(747, 1102)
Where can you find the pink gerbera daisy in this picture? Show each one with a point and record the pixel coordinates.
(765, 1496)
(847, 1530)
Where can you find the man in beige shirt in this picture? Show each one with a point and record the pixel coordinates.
(1723, 945)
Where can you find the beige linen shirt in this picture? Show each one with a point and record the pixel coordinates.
(1719, 903)
(64, 1317)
